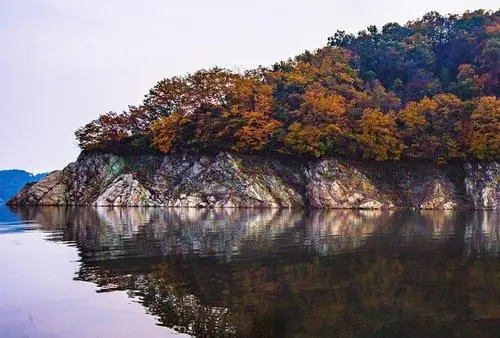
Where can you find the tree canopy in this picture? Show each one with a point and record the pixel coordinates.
(424, 90)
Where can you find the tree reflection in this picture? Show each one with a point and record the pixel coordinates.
(267, 273)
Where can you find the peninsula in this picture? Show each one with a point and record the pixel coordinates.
(398, 116)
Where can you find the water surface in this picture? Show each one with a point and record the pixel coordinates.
(90, 272)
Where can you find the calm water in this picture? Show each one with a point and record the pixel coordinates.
(112, 272)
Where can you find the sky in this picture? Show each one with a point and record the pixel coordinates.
(63, 62)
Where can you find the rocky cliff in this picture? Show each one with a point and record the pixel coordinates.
(230, 180)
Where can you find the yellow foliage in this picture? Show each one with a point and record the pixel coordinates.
(254, 105)
(432, 127)
(378, 136)
(485, 124)
(311, 139)
(413, 115)
(256, 132)
(320, 105)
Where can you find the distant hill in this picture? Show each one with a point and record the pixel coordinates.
(13, 180)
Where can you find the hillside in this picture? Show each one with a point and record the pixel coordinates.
(427, 90)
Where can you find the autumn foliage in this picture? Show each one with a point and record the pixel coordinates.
(485, 128)
(426, 90)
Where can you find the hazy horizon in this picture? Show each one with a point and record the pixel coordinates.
(64, 62)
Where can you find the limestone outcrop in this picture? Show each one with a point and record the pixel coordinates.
(483, 184)
(231, 180)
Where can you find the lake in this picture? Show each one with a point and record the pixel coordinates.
(152, 272)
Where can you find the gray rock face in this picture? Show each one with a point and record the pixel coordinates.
(224, 181)
(228, 180)
(125, 190)
(51, 190)
(483, 184)
(333, 184)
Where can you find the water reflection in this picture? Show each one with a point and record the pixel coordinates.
(112, 232)
(243, 272)
(482, 234)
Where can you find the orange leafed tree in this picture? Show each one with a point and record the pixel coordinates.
(485, 126)
(253, 104)
(378, 136)
(321, 123)
(108, 127)
(167, 132)
(187, 94)
(432, 127)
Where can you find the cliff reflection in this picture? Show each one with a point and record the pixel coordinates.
(482, 234)
(267, 273)
(112, 232)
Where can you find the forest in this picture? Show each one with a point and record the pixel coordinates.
(426, 90)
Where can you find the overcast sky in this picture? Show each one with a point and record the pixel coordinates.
(62, 62)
